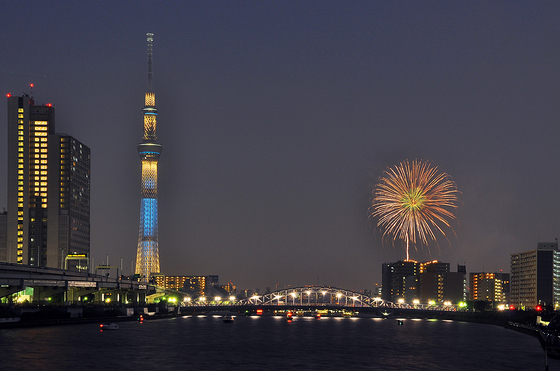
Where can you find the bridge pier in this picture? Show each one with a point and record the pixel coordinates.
(42, 293)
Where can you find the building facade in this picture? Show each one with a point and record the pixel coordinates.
(195, 286)
(535, 277)
(426, 282)
(399, 280)
(48, 189)
(492, 287)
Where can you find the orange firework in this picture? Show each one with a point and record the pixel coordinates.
(413, 201)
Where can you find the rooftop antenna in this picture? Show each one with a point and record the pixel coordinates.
(150, 39)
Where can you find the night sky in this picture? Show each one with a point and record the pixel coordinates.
(278, 117)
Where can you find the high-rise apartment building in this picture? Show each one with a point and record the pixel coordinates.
(399, 280)
(535, 276)
(48, 189)
(492, 287)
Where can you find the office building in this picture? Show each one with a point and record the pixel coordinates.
(48, 190)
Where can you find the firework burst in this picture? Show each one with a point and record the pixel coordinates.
(413, 202)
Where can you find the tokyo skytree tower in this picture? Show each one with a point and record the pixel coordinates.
(147, 256)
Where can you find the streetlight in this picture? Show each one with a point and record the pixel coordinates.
(308, 293)
(338, 298)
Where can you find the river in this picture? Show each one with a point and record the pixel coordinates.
(272, 343)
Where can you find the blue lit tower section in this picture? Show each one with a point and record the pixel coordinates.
(147, 257)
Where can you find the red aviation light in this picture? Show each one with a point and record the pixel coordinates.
(538, 308)
(9, 95)
(49, 104)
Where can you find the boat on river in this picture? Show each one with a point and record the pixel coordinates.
(109, 326)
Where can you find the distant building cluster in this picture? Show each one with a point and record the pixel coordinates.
(195, 286)
(430, 281)
(534, 280)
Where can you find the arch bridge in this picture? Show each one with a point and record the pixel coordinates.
(333, 296)
(316, 296)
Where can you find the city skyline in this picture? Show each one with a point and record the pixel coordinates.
(278, 120)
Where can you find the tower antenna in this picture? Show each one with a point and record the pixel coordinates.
(150, 39)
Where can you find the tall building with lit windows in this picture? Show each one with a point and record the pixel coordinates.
(492, 287)
(48, 189)
(535, 277)
(147, 254)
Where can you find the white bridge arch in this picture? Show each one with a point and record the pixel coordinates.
(316, 296)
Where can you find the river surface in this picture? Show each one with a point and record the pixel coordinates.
(272, 343)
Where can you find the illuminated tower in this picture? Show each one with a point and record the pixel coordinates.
(147, 256)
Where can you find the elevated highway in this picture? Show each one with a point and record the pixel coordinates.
(72, 286)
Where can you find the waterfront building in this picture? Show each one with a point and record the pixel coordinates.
(194, 285)
(535, 277)
(399, 280)
(426, 282)
(493, 287)
(437, 284)
(48, 216)
(147, 254)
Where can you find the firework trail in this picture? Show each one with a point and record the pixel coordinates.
(413, 202)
